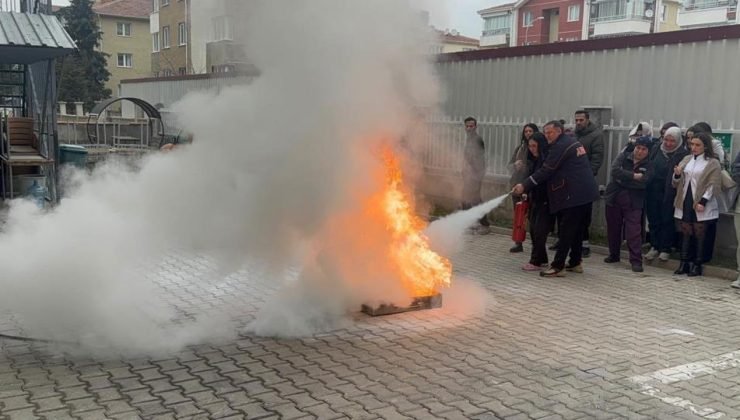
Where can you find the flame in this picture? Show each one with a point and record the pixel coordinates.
(422, 271)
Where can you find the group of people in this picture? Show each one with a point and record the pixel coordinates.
(673, 181)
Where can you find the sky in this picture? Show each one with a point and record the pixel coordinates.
(443, 14)
(460, 15)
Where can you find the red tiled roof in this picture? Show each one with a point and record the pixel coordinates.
(124, 8)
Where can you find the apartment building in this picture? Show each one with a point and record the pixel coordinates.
(169, 26)
(532, 22)
(125, 38)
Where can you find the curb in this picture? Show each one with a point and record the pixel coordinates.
(670, 265)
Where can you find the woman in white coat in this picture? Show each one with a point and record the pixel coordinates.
(697, 178)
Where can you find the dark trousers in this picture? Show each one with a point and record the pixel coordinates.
(661, 223)
(570, 235)
(623, 218)
(586, 226)
(540, 221)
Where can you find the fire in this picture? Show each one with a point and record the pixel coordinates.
(422, 271)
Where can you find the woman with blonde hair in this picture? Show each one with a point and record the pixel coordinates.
(697, 179)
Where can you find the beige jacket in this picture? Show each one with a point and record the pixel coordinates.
(710, 177)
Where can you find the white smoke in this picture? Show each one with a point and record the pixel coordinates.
(273, 169)
(446, 235)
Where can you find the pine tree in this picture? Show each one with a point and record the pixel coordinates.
(82, 75)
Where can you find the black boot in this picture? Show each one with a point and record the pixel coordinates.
(684, 267)
(696, 269)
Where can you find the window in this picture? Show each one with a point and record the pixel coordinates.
(221, 28)
(574, 12)
(496, 24)
(662, 12)
(165, 3)
(125, 60)
(155, 42)
(123, 29)
(527, 19)
(182, 34)
(182, 71)
(609, 10)
(165, 37)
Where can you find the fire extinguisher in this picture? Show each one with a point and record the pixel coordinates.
(519, 231)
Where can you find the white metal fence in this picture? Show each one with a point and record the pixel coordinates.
(442, 148)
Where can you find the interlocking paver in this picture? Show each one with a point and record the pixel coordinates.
(48, 404)
(543, 348)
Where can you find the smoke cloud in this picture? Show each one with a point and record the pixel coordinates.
(446, 235)
(278, 176)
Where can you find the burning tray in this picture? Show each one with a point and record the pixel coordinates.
(419, 303)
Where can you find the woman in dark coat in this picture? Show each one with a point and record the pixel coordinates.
(518, 167)
(660, 193)
(540, 219)
(625, 197)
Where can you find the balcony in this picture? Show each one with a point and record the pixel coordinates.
(495, 38)
(26, 6)
(698, 13)
(612, 18)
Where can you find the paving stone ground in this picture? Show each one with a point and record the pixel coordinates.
(604, 344)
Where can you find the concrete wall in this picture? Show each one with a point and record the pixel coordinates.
(139, 44)
(444, 189)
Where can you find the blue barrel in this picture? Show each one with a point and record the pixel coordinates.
(72, 154)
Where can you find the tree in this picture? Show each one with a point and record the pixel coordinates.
(82, 75)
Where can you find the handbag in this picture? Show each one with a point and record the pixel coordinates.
(727, 182)
(727, 197)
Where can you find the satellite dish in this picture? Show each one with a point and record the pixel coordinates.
(649, 13)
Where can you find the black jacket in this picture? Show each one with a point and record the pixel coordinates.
(538, 194)
(662, 169)
(592, 138)
(623, 171)
(567, 172)
(669, 194)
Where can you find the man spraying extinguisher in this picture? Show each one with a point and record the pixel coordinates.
(571, 190)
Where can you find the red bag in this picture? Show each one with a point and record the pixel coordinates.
(519, 231)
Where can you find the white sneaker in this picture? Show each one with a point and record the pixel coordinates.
(651, 254)
(736, 284)
(664, 256)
